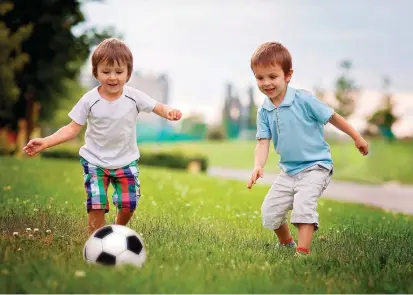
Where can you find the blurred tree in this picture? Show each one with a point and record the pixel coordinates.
(194, 125)
(384, 117)
(319, 92)
(55, 52)
(12, 60)
(345, 91)
(231, 112)
(252, 110)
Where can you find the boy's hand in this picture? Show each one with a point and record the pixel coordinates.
(257, 173)
(35, 146)
(362, 145)
(174, 115)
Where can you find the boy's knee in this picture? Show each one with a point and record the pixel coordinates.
(273, 221)
(305, 218)
(126, 210)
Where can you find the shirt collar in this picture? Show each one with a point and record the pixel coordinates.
(287, 101)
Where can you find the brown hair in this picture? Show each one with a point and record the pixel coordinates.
(271, 53)
(109, 51)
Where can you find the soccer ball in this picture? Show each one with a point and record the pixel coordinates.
(115, 245)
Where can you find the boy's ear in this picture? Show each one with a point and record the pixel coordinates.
(289, 75)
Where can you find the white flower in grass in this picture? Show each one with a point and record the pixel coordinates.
(15, 234)
(35, 209)
(28, 229)
(30, 236)
(80, 273)
(35, 230)
(188, 205)
(19, 249)
(48, 231)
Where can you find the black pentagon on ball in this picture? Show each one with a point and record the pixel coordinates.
(134, 244)
(106, 259)
(103, 232)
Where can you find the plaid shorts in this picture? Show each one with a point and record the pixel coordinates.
(124, 181)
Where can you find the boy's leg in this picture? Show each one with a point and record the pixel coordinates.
(95, 220)
(96, 183)
(275, 207)
(284, 234)
(305, 236)
(123, 217)
(309, 187)
(127, 191)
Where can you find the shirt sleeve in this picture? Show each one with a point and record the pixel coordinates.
(145, 102)
(80, 111)
(263, 128)
(319, 110)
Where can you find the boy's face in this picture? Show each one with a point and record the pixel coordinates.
(271, 80)
(112, 78)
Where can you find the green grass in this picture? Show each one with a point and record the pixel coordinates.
(203, 235)
(385, 162)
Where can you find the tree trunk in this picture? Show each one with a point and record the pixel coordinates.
(29, 113)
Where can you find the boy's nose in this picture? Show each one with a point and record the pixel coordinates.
(266, 83)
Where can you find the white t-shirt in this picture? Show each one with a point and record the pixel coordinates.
(110, 138)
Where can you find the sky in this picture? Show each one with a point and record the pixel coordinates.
(202, 45)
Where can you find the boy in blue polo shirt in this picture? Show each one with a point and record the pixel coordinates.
(294, 120)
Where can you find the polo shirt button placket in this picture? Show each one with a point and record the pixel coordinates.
(276, 116)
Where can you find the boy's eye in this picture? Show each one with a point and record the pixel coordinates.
(258, 78)
(105, 72)
(273, 77)
(119, 72)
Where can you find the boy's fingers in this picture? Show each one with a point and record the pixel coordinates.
(251, 181)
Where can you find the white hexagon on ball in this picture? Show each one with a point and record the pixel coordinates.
(115, 245)
(93, 249)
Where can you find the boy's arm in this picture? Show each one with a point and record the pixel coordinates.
(261, 153)
(340, 123)
(260, 158)
(167, 112)
(64, 134)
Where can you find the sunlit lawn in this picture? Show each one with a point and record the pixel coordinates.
(203, 235)
(386, 162)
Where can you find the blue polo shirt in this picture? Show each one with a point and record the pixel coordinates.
(296, 129)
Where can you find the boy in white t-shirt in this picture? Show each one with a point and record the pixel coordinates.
(110, 153)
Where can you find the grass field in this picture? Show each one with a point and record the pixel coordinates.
(203, 235)
(385, 162)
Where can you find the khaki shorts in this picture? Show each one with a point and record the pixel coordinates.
(299, 193)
